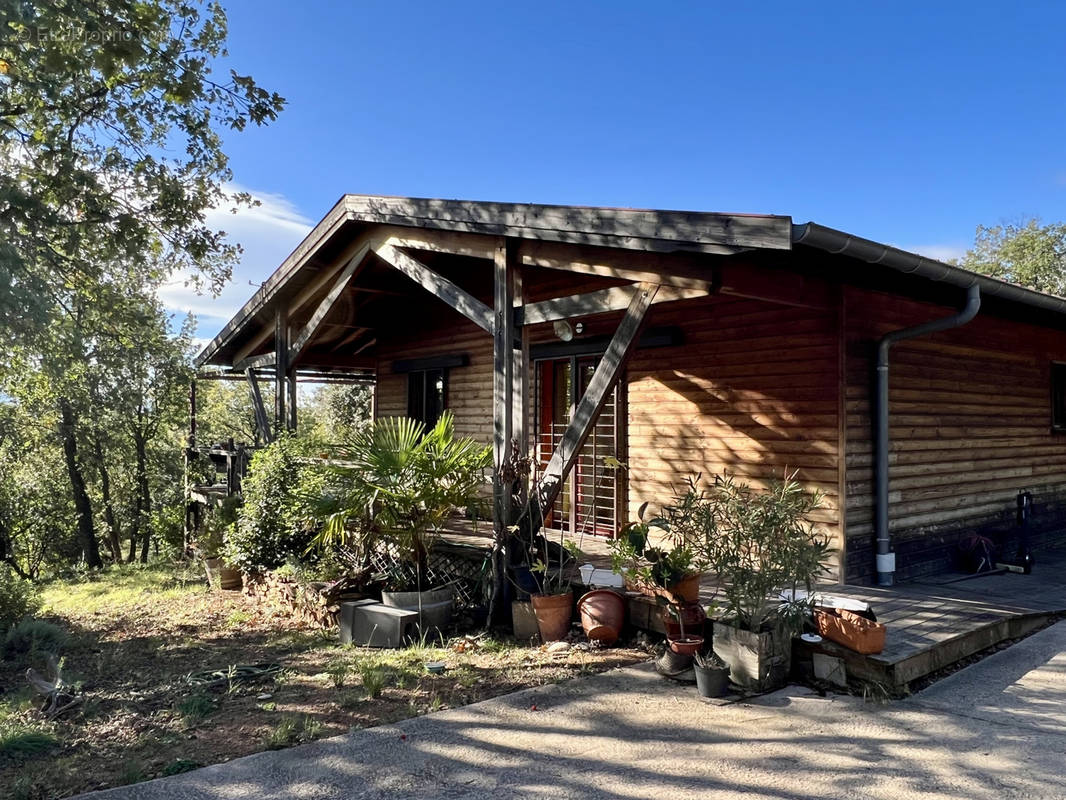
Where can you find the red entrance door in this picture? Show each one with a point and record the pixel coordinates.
(588, 502)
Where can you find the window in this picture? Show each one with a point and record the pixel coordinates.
(425, 395)
(1058, 397)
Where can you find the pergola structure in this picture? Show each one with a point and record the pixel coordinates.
(320, 313)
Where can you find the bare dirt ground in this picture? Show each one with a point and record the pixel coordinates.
(136, 636)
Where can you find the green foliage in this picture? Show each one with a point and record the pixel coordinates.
(292, 730)
(20, 740)
(181, 765)
(111, 145)
(760, 542)
(34, 636)
(278, 519)
(399, 483)
(1027, 253)
(18, 598)
(196, 707)
(656, 566)
(373, 678)
(338, 671)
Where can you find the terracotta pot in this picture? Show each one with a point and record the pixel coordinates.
(850, 630)
(602, 614)
(687, 590)
(689, 645)
(553, 613)
(691, 622)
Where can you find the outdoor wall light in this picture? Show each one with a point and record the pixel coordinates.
(563, 330)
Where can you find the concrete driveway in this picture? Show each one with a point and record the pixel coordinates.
(994, 730)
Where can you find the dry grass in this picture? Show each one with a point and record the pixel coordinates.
(136, 633)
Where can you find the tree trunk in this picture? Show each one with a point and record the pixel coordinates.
(114, 538)
(86, 532)
(144, 504)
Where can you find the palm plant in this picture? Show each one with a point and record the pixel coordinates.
(396, 483)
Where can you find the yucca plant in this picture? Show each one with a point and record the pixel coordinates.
(397, 482)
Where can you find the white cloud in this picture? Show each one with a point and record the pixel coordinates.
(941, 252)
(267, 232)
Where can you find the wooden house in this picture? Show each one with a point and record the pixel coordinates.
(627, 349)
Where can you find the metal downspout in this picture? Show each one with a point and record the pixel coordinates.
(886, 558)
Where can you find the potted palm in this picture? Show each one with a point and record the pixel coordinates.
(759, 543)
(394, 486)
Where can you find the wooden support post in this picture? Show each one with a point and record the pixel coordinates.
(520, 381)
(262, 421)
(503, 374)
(290, 383)
(588, 409)
(281, 367)
(503, 406)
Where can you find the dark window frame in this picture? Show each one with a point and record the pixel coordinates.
(1058, 396)
(418, 394)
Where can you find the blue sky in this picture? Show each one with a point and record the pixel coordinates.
(910, 124)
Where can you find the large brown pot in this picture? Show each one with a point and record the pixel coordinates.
(553, 613)
(602, 614)
(221, 574)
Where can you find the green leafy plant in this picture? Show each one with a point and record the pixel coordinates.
(292, 730)
(338, 671)
(181, 765)
(373, 679)
(196, 707)
(34, 636)
(277, 521)
(397, 485)
(660, 566)
(18, 598)
(760, 542)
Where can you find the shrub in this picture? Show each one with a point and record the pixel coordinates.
(34, 636)
(277, 520)
(18, 598)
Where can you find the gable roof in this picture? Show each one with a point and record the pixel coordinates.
(625, 228)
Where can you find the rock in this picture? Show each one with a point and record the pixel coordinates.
(558, 647)
(264, 696)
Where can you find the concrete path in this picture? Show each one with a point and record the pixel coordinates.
(994, 730)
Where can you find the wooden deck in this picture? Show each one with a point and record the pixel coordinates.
(931, 623)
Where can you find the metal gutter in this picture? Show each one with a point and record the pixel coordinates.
(841, 243)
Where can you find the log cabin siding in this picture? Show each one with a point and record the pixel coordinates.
(970, 426)
(753, 390)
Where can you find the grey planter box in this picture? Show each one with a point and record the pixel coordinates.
(368, 623)
(758, 662)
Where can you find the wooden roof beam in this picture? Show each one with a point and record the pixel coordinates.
(303, 338)
(439, 286)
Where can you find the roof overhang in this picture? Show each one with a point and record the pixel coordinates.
(623, 228)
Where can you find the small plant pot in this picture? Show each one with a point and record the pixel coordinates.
(711, 681)
(602, 614)
(553, 613)
(524, 620)
(691, 620)
(687, 646)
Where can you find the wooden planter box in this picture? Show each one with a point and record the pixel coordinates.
(850, 630)
(758, 662)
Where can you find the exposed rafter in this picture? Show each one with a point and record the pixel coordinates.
(303, 338)
(459, 299)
